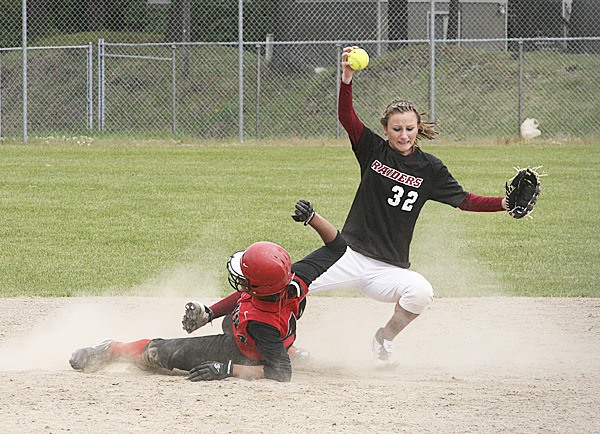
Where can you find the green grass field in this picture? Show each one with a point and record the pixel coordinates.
(105, 219)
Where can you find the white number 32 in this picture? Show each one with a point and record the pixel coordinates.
(397, 198)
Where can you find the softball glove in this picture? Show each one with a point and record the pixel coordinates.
(522, 192)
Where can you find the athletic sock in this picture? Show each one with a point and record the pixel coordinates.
(131, 350)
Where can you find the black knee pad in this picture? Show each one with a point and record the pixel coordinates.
(151, 354)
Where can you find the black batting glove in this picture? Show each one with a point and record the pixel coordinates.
(304, 212)
(209, 371)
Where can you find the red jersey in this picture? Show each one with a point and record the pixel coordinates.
(281, 314)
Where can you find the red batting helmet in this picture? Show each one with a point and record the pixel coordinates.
(262, 269)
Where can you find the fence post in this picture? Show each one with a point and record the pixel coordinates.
(187, 30)
(257, 125)
(24, 61)
(174, 88)
(1, 94)
(101, 85)
(379, 27)
(241, 69)
(432, 61)
(90, 88)
(269, 48)
(506, 26)
(520, 86)
(338, 78)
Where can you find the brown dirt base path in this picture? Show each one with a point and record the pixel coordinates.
(491, 364)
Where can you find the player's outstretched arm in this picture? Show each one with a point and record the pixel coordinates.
(347, 71)
(326, 230)
(305, 213)
(522, 192)
(197, 314)
(211, 371)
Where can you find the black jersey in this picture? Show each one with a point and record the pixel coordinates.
(390, 196)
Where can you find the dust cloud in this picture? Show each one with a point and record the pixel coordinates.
(155, 311)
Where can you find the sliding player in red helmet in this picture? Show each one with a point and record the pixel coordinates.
(270, 296)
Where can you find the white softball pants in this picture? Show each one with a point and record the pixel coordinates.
(378, 280)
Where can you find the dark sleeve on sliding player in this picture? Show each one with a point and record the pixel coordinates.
(277, 364)
(316, 263)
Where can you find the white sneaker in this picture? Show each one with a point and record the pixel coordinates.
(383, 351)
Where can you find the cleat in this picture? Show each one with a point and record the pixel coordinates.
(383, 351)
(92, 359)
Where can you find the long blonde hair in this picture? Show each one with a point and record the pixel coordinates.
(425, 128)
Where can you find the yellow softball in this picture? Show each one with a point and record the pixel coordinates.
(358, 58)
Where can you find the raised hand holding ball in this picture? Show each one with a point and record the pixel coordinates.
(358, 58)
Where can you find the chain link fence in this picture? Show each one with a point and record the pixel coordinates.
(269, 69)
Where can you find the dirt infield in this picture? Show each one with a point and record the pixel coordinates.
(492, 364)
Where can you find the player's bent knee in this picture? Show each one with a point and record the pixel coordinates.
(417, 297)
(152, 354)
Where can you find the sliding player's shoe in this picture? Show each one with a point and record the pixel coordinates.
(298, 356)
(92, 359)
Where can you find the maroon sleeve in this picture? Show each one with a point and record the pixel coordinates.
(346, 114)
(477, 203)
(226, 305)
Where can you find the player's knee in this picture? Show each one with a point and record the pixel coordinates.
(151, 355)
(417, 297)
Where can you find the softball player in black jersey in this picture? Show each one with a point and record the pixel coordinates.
(397, 178)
